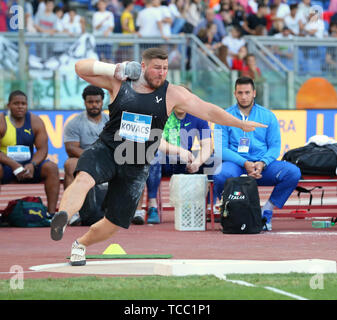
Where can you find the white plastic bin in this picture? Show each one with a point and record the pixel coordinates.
(188, 196)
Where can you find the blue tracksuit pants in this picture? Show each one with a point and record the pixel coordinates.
(281, 174)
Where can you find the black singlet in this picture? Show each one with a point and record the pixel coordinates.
(136, 122)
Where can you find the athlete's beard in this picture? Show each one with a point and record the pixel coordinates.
(150, 84)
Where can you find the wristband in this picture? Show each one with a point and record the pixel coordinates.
(18, 170)
(103, 69)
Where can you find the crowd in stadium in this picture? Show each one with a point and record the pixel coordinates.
(220, 24)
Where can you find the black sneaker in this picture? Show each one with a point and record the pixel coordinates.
(58, 224)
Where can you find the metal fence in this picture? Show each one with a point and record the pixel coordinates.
(43, 66)
(287, 64)
(51, 83)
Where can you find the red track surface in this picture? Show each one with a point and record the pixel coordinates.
(290, 239)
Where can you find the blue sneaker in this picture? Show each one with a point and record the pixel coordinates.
(152, 216)
(267, 215)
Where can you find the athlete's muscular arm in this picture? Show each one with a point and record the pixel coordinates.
(107, 75)
(99, 74)
(179, 97)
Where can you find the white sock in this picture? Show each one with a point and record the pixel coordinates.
(268, 206)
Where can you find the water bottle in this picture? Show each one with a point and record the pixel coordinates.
(322, 224)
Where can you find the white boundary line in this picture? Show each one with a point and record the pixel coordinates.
(247, 284)
(304, 233)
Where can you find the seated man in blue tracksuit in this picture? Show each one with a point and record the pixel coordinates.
(254, 153)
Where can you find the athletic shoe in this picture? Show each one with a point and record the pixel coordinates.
(77, 257)
(139, 217)
(266, 216)
(58, 224)
(152, 216)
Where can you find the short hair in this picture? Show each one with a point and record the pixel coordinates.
(126, 3)
(293, 6)
(92, 91)
(154, 53)
(244, 80)
(15, 94)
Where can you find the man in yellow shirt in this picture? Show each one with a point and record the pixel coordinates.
(127, 20)
(125, 50)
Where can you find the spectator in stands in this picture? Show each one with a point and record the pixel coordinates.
(125, 50)
(250, 69)
(282, 9)
(3, 16)
(20, 132)
(59, 25)
(210, 18)
(285, 52)
(178, 10)
(239, 15)
(103, 20)
(83, 130)
(149, 19)
(254, 153)
(208, 37)
(127, 18)
(304, 9)
(331, 52)
(29, 17)
(194, 14)
(180, 130)
(254, 20)
(41, 6)
(277, 27)
(115, 6)
(293, 21)
(59, 46)
(270, 16)
(238, 61)
(314, 25)
(45, 21)
(225, 15)
(166, 17)
(74, 24)
(233, 41)
(103, 24)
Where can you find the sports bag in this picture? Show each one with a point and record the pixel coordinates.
(240, 206)
(28, 212)
(313, 159)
